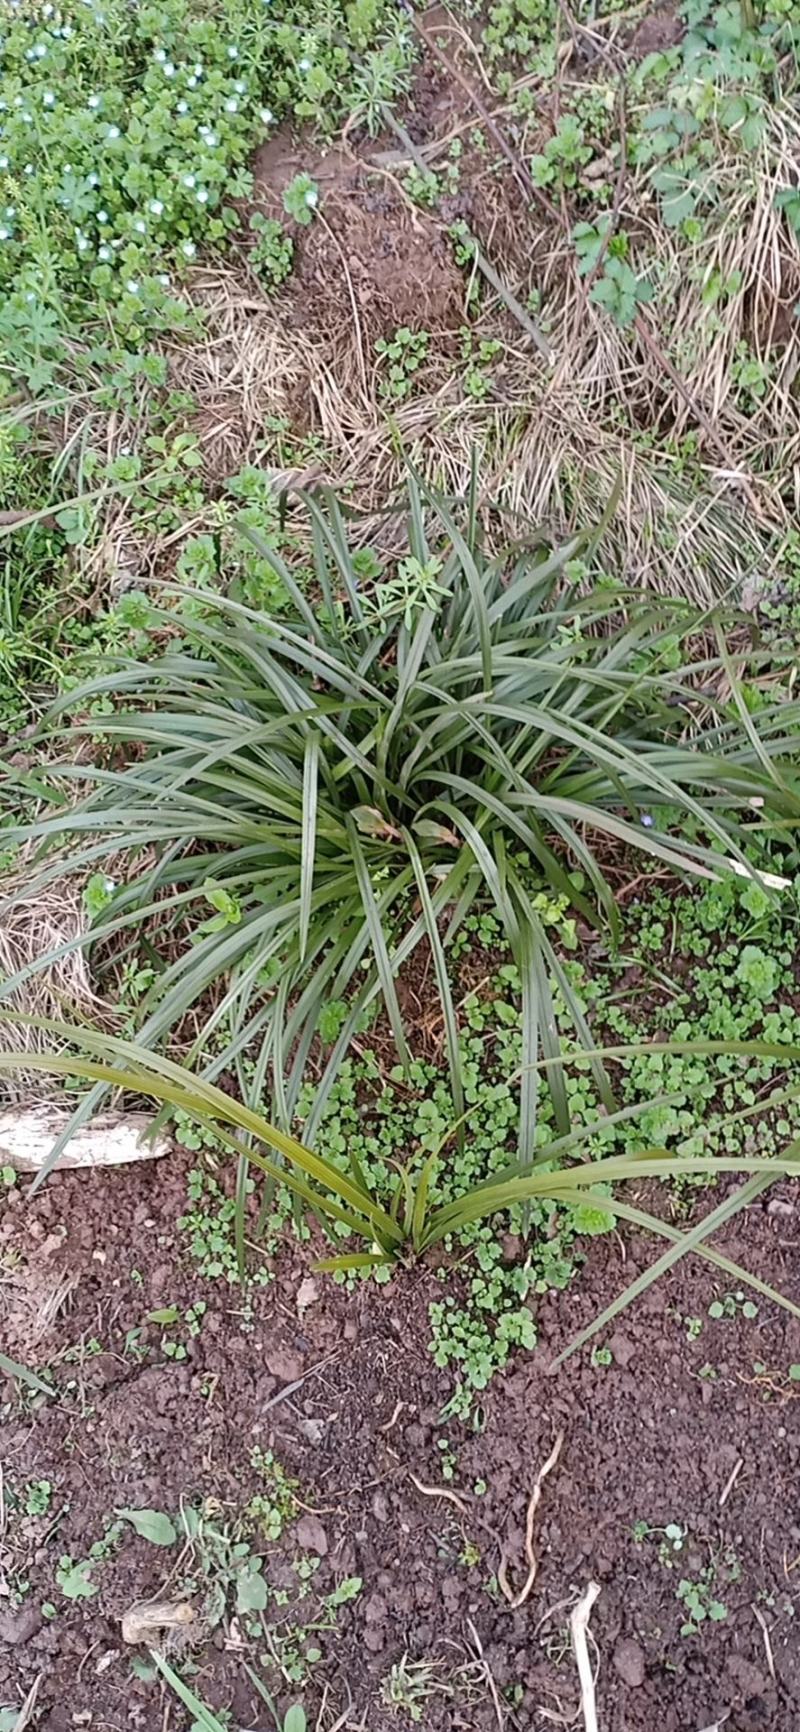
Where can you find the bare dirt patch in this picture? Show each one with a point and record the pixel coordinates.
(686, 1427)
(659, 30)
(400, 269)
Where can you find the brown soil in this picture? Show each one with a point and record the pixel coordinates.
(373, 241)
(674, 1430)
(659, 30)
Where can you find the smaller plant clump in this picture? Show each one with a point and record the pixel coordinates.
(401, 357)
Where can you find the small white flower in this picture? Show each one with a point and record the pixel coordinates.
(169, 70)
(304, 65)
(241, 86)
(140, 228)
(160, 56)
(17, 101)
(26, 116)
(164, 280)
(104, 253)
(102, 216)
(189, 180)
(132, 286)
(233, 53)
(3, 162)
(49, 98)
(191, 82)
(92, 179)
(211, 139)
(188, 248)
(156, 207)
(109, 885)
(82, 243)
(198, 69)
(28, 169)
(47, 11)
(5, 234)
(40, 50)
(231, 106)
(267, 116)
(113, 132)
(183, 107)
(94, 102)
(312, 197)
(202, 195)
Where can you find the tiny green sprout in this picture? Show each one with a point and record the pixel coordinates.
(301, 198)
(74, 1579)
(602, 1356)
(449, 1459)
(37, 1497)
(272, 252)
(97, 893)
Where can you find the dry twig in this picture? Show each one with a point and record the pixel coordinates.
(517, 1600)
(579, 1625)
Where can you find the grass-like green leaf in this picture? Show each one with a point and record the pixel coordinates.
(503, 740)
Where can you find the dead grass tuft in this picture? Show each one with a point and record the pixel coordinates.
(31, 927)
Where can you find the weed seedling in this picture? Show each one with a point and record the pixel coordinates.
(401, 358)
(408, 1686)
(733, 1305)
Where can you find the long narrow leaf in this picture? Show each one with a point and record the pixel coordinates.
(309, 837)
(684, 1243)
(379, 945)
(442, 979)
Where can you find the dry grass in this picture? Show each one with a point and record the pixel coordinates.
(33, 926)
(550, 451)
(708, 470)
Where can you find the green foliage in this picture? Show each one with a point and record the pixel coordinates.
(616, 287)
(346, 784)
(209, 1218)
(563, 157)
(699, 1595)
(408, 1686)
(74, 1579)
(348, 1203)
(520, 30)
(401, 358)
(125, 137)
(277, 1504)
(620, 291)
(301, 198)
(150, 1524)
(272, 252)
(478, 354)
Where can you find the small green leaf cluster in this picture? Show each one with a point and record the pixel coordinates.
(125, 134)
